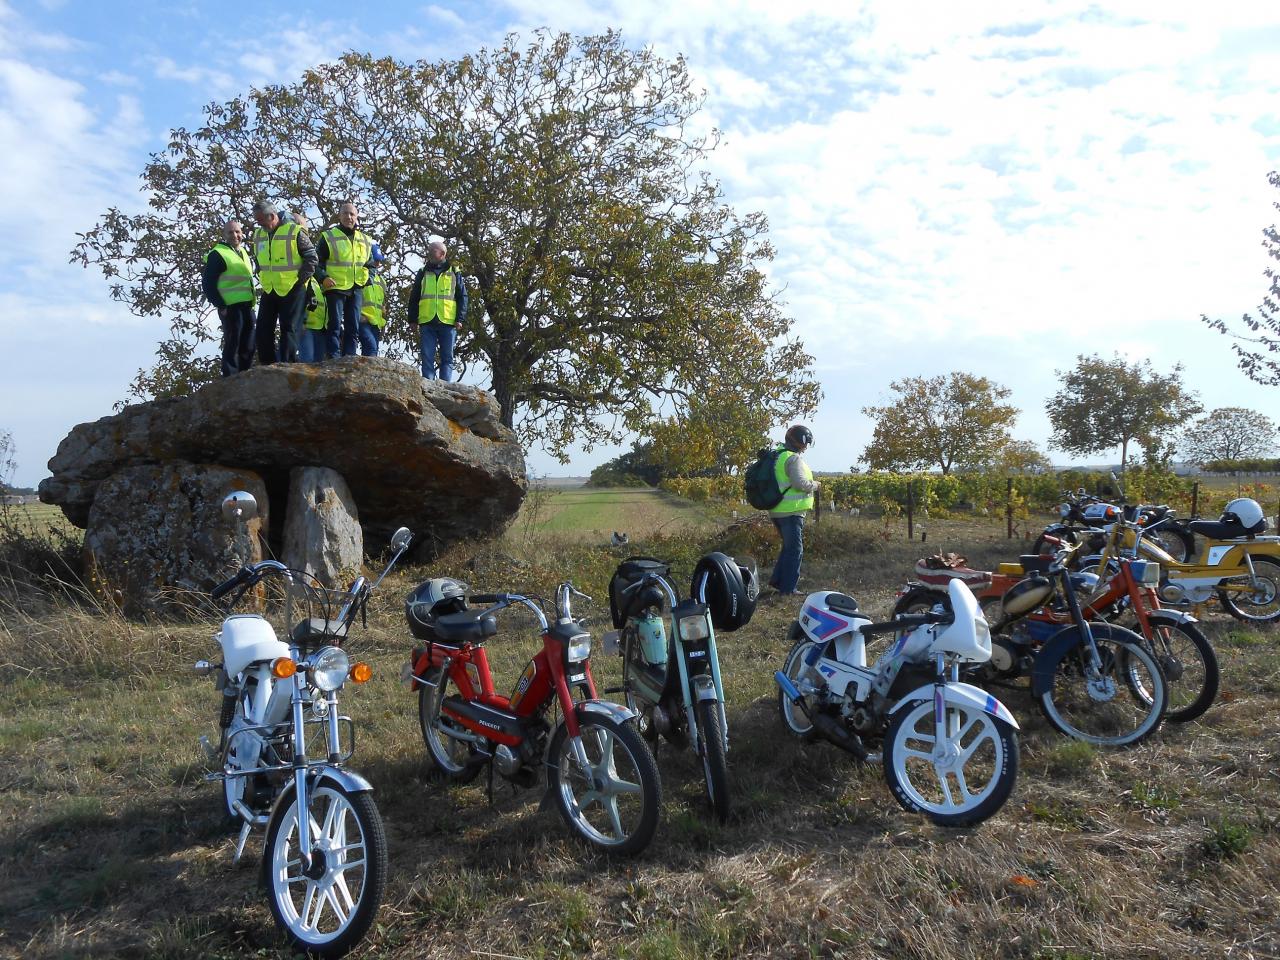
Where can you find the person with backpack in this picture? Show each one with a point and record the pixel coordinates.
(796, 483)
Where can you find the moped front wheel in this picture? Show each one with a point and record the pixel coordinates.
(956, 783)
(613, 804)
(454, 757)
(1254, 600)
(1118, 702)
(326, 907)
(715, 764)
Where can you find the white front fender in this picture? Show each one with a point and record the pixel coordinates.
(962, 695)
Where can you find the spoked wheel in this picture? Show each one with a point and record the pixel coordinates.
(1118, 702)
(715, 765)
(613, 804)
(325, 908)
(802, 675)
(1256, 600)
(957, 783)
(1045, 547)
(1190, 668)
(455, 758)
(1176, 542)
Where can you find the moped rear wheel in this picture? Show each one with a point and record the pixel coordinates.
(326, 908)
(1190, 667)
(454, 759)
(715, 765)
(613, 805)
(1257, 601)
(958, 783)
(1118, 705)
(794, 718)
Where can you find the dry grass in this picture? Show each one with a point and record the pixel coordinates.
(113, 846)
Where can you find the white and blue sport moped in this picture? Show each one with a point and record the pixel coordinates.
(950, 750)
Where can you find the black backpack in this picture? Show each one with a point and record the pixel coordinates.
(760, 481)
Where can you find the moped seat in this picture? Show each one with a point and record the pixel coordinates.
(842, 603)
(1223, 530)
(468, 626)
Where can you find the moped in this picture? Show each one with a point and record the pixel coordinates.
(670, 664)
(599, 772)
(324, 863)
(950, 750)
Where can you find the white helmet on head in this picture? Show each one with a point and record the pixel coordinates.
(1247, 512)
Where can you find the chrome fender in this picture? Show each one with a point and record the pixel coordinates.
(704, 688)
(606, 708)
(962, 695)
(1065, 639)
(1170, 616)
(351, 782)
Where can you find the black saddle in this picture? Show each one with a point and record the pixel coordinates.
(1226, 529)
(842, 603)
(469, 626)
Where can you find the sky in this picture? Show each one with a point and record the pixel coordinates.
(993, 187)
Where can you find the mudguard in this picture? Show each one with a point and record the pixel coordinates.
(704, 687)
(1064, 640)
(346, 779)
(1170, 616)
(962, 695)
(606, 708)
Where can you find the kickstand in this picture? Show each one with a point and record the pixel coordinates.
(491, 781)
(245, 829)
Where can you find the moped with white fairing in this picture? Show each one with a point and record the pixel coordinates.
(324, 871)
(950, 750)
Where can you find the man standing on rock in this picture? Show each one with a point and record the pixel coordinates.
(227, 282)
(343, 252)
(286, 261)
(440, 294)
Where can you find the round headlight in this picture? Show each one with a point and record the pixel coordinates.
(1064, 510)
(329, 668)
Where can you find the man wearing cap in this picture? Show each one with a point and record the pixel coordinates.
(343, 252)
(227, 282)
(372, 305)
(439, 302)
(286, 261)
(796, 482)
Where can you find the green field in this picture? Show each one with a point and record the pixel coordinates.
(594, 513)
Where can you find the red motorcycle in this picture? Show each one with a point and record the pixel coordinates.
(599, 771)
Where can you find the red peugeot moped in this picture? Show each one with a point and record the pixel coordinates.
(599, 771)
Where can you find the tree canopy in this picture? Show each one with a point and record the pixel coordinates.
(944, 422)
(610, 283)
(1257, 345)
(1228, 433)
(1104, 404)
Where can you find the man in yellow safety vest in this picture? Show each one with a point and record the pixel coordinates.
(373, 300)
(796, 482)
(439, 303)
(343, 252)
(227, 282)
(286, 261)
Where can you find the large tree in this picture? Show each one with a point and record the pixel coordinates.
(1257, 345)
(716, 435)
(1104, 404)
(944, 422)
(608, 278)
(1228, 433)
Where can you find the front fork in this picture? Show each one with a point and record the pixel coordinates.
(944, 675)
(333, 747)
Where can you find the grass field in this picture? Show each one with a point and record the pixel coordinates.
(593, 514)
(112, 845)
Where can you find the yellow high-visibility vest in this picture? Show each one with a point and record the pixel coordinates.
(278, 257)
(347, 257)
(317, 316)
(371, 303)
(235, 283)
(793, 500)
(436, 296)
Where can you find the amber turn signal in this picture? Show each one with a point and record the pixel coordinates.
(283, 667)
(360, 672)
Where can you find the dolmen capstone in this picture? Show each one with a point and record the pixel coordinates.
(338, 452)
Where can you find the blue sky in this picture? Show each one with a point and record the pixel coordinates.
(990, 187)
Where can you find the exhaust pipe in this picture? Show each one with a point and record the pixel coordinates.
(825, 724)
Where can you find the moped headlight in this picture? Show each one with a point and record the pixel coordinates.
(329, 669)
(694, 628)
(579, 648)
(1064, 510)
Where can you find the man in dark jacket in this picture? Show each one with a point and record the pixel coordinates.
(438, 302)
(227, 282)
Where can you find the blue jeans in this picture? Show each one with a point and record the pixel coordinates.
(313, 347)
(786, 572)
(370, 337)
(344, 319)
(431, 336)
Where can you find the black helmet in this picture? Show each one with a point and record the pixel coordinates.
(800, 435)
(431, 600)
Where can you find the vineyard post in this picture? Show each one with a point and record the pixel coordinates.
(911, 531)
(1008, 507)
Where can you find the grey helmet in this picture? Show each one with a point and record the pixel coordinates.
(1247, 512)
